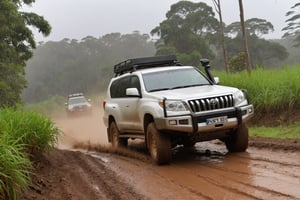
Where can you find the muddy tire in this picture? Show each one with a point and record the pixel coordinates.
(159, 145)
(114, 132)
(238, 140)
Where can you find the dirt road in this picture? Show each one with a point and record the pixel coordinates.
(207, 171)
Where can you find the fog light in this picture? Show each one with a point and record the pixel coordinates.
(172, 122)
(250, 110)
(184, 121)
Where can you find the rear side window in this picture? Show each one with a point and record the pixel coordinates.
(118, 87)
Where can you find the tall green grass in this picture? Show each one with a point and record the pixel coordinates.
(270, 90)
(14, 168)
(22, 133)
(34, 130)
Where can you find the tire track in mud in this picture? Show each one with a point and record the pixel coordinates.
(256, 177)
(266, 167)
(144, 177)
(86, 177)
(234, 175)
(106, 182)
(231, 181)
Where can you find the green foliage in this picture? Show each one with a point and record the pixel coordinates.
(291, 131)
(293, 24)
(48, 107)
(34, 130)
(21, 134)
(191, 59)
(186, 30)
(12, 82)
(14, 168)
(16, 45)
(254, 26)
(293, 52)
(270, 91)
(237, 63)
(262, 52)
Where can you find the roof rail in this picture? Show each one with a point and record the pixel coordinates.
(146, 62)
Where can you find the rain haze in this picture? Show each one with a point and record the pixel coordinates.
(78, 19)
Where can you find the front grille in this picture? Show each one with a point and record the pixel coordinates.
(80, 108)
(211, 103)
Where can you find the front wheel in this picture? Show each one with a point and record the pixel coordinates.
(159, 145)
(115, 136)
(238, 140)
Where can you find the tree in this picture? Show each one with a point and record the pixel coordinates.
(293, 24)
(16, 46)
(253, 26)
(217, 4)
(246, 51)
(188, 28)
(263, 52)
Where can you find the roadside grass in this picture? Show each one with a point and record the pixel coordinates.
(14, 168)
(291, 131)
(48, 107)
(270, 90)
(22, 134)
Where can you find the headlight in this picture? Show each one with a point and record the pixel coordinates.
(175, 107)
(239, 98)
(71, 108)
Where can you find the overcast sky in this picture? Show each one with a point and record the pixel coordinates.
(76, 19)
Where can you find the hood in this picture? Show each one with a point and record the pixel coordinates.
(195, 92)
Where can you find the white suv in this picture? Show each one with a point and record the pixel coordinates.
(77, 104)
(167, 104)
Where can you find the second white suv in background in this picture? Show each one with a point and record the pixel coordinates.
(167, 104)
(77, 105)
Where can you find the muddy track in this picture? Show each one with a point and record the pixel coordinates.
(197, 174)
(270, 169)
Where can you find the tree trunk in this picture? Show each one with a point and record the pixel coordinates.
(219, 11)
(246, 51)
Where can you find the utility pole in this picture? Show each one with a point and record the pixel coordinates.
(246, 51)
(219, 11)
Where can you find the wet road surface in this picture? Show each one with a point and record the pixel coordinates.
(206, 171)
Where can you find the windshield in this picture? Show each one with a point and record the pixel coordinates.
(173, 79)
(77, 100)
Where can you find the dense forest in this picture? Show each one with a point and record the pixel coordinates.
(71, 66)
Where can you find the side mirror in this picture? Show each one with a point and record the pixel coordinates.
(217, 80)
(66, 103)
(89, 100)
(132, 92)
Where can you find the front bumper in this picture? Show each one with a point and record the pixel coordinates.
(197, 122)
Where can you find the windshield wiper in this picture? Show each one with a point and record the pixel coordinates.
(159, 89)
(185, 86)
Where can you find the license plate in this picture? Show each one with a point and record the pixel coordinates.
(216, 120)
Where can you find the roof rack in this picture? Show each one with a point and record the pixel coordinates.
(75, 95)
(146, 62)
